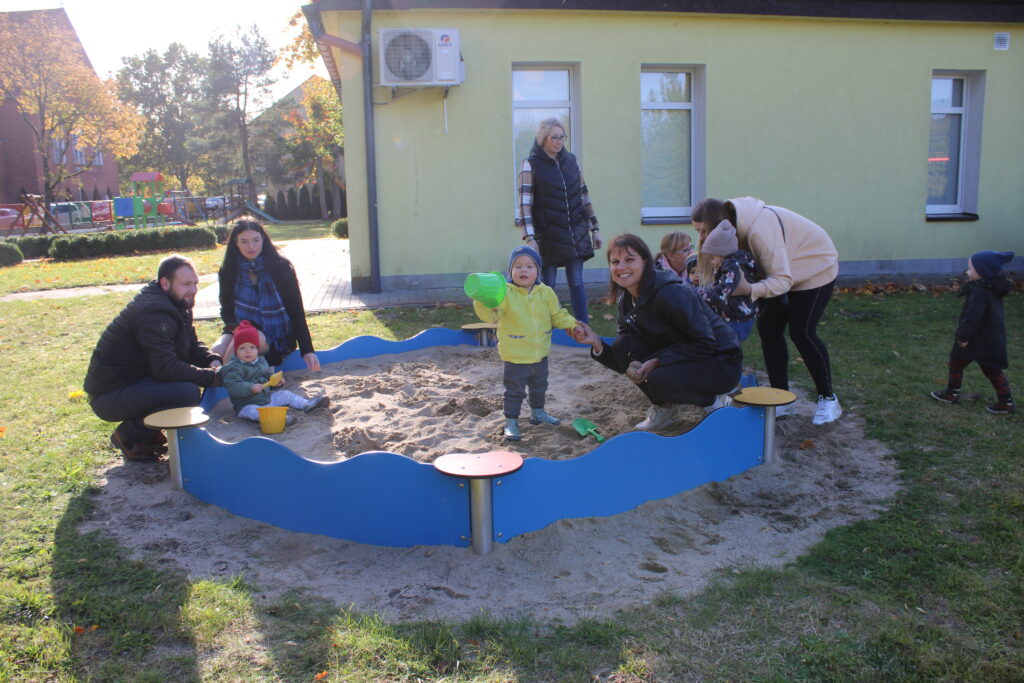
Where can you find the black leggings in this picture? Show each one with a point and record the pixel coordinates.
(800, 311)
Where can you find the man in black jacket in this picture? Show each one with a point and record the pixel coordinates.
(149, 359)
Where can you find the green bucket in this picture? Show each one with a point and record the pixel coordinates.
(487, 288)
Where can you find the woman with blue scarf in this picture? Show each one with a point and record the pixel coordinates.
(259, 285)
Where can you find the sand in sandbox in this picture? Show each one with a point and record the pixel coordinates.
(426, 403)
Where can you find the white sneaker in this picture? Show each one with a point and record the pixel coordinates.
(828, 411)
(658, 418)
(721, 401)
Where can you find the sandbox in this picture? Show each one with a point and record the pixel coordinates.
(384, 498)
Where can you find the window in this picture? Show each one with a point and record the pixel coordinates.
(538, 93)
(97, 159)
(79, 156)
(671, 142)
(954, 143)
(60, 151)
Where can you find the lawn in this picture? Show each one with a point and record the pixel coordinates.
(931, 590)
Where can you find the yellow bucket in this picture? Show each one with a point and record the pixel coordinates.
(272, 419)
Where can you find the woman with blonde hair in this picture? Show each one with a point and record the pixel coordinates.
(676, 248)
(555, 212)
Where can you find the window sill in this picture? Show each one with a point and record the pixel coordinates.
(665, 220)
(950, 217)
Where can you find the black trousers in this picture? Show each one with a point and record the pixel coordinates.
(131, 405)
(691, 382)
(800, 312)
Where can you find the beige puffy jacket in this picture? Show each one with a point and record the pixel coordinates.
(804, 258)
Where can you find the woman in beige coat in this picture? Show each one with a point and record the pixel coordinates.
(800, 265)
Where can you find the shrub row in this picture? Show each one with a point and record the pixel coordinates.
(117, 242)
(34, 246)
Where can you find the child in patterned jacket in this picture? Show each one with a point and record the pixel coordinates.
(729, 262)
(245, 377)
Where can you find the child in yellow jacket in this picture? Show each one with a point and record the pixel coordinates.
(525, 317)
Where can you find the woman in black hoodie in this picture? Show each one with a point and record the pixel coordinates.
(981, 331)
(670, 343)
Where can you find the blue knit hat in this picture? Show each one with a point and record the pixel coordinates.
(990, 263)
(521, 251)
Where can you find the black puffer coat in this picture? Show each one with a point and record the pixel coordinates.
(559, 219)
(151, 337)
(670, 316)
(982, 323)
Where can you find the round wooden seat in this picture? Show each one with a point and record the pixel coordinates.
(177, 418)
(480, 469)
(480, 326)
(764, 397)
(486, 333)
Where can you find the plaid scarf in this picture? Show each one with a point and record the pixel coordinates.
(261, 304)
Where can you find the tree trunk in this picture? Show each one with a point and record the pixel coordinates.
(244, 128)
(320, 185)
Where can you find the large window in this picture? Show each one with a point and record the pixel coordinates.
(538, 93)
(954, 143)
(671, 122)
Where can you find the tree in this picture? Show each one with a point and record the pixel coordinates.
(239, 78)
(318, 140)
(167, 91)
(49, 78)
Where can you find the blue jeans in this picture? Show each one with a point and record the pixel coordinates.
(742, 329)
(131, 404)
(577, 290)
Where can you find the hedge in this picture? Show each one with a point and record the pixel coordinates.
(35, 246)
(340, 228)
(117, 242)
(10, 255)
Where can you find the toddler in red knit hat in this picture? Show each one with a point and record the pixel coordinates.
(247, 373)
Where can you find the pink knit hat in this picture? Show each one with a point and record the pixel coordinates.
(722, 240)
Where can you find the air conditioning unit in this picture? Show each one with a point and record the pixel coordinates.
(420, 57)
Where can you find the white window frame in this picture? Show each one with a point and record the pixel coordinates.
(78, 155)
(971, 117)
(97, 159)
(575, 141)
(60, 152)
(677, 214)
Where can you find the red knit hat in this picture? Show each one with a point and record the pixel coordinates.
(245, 333)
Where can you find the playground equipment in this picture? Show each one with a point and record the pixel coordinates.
(387, 499)
(146, 203)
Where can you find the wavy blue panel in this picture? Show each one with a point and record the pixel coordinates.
(626, 471)
(378, 498)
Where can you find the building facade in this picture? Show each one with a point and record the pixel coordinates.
(894, 125)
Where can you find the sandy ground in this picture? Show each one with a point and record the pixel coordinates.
(426, 403)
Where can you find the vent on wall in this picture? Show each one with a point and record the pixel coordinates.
(1001, 41)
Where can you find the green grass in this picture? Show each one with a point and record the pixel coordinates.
(115, 270)
(931, 590)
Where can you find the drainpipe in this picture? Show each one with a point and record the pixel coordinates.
(371, 150)
(365, 50)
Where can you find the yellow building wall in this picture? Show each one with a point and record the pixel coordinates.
(828, 118)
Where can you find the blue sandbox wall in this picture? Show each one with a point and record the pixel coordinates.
(387, 499)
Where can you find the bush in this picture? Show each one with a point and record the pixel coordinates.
(222, 232)
(293, 203)
(340, 228)
(270, 206)
(10, 255)
(282, 206)
(35, 246)
(118, 242)
(305, 206)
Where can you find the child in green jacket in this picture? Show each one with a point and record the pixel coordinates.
(246, 375)
(525, 317)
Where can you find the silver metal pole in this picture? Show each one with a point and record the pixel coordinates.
(480, 515)
(173, 459)
(769, 435)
